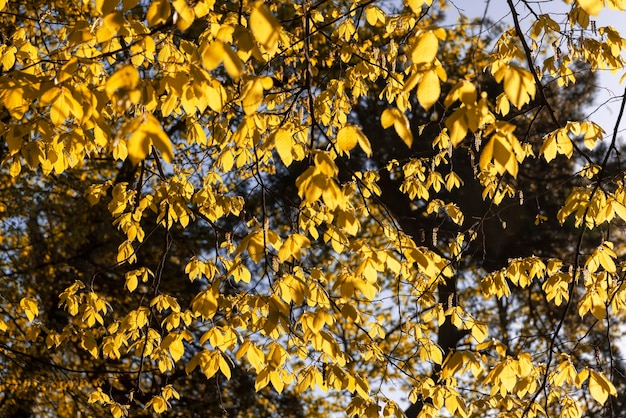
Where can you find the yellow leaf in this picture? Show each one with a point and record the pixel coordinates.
(109, 26)
(400, 122)
(265, 27)
(184, 16)
(292, 246)
(600, 387)
(283, 140)
(158, 12)
(8, 56)
(232, 63)
(364, 143)
(174, 344)
(216, 96)
(425, 49)
(131, 281)
(205, 304)
(416, 5)
(126, 78)
(88, 342)
(252, 94)
(374, 15)
(457, 126)
(255, 244)
(429, 89)
(224, 367)
(463, 91)
(581, 377)
(29, 305)
(347, 138)
(149, 133)
(591, 7)
(203, 7)
(502, 104)
(212, 55)
(158, 404)
(503, 150)
(99, 396)
(519, 84)
(106, 6)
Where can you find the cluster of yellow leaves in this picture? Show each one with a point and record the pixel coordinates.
(221, 96)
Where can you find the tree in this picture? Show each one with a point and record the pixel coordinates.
(295, 199)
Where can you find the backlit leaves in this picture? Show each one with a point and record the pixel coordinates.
(265, 27)
(349, 136)
(600, 387)
(428, 90)
(503, 150)
(158, 12)
(591, 7)
(290, 241)
(397, 119)
(519, 85)
(425, 48)
(148, 133)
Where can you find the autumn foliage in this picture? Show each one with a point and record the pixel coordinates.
(249, 208)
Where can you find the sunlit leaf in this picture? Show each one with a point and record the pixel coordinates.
(265, 27)
(400, 122)
(158, 12)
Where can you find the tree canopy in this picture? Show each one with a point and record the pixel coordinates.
(285, 209)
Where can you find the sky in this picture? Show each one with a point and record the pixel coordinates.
(609, 91)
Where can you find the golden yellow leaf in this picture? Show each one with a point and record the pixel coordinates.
(503, 150)
(184, 15)
(457, 126)
(203, 7)
(224, 367)
(425, 49)
(109, 26)
(212, 55)
(131, 281)
(581, 377)
(519, 84)
(252, 94)
(106, 6)
(347, 138)
(158, 12)
(205, 304)
(265, 27)
(216, 96)
(29, 305)
(126, 78)
(400, 122)
(174, 344)
(416, 5)
(8, 56)
(292, 246)
(158, 404)
(464, 91)
(149, 133)
(591, 7)
(129, 4)
(99, 396)
(374, 15)
(600, 387)
(88, 343)
(429, 90)
(283, 140)
(232, 63)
